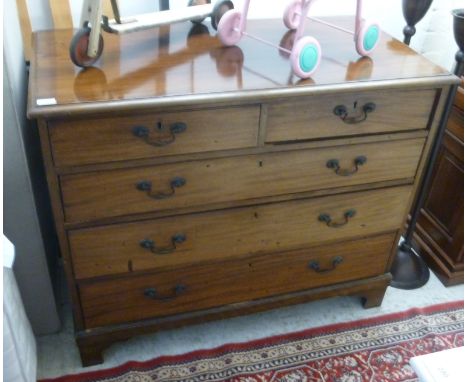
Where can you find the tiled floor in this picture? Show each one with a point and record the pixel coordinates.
(58, 354)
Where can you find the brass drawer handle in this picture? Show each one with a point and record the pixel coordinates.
(144, 133)
(153, 294)
(335, 165)
(325, 218)
(316, 266)
(150, 245)
(146, 186)
(342, 112)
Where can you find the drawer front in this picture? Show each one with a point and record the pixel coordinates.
(121, 192)
(215, 284)
(79, 142)
(189, 239)
(314, 118)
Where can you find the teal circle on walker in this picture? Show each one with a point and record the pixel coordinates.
(370, 39)
(308, 58)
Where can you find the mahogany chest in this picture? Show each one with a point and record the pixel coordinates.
(193, 182)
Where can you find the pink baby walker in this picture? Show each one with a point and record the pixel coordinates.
(306, 52)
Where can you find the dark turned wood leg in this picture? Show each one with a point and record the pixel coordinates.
(92, 347)
(413, 12)
(373, 298)
(91, 354)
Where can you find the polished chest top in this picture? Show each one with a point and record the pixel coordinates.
(182, 63)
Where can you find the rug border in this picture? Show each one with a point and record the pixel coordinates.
(246, 345)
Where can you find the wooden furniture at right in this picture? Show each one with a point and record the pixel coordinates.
(439, 232)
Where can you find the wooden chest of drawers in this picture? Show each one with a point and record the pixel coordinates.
(192, 182)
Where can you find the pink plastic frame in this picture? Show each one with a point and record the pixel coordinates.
(298, 7)
(232, 27)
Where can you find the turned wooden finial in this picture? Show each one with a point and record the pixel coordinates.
(458, 30)
(413, 12)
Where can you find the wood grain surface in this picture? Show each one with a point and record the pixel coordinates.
(439, 234)
(26, 28)
(61, 15)
(58, 216)
(313, 117)
(164, 66)
(223, 234)
(123, 300)
(92, 342)
(78, 142)
(102, 194)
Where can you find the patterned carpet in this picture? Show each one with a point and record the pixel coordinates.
(376, 349)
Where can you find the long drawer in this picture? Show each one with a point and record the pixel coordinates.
(349, 114)
(104, 194)
(188, 239)
(199, 287)
(80, 142)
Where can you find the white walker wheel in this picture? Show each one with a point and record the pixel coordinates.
(292, 14)
(219, 9)
(228, 28)
(306, 56)
(192, 3)
(367, 38)
(79, 48)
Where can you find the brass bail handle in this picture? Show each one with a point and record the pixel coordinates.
(342, 112)
(326, 218)
(151, 246)
(147, 187)
(143, 132)
(315, 265)
(153, 294)
(335, 165)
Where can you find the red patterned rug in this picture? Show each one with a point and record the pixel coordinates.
(371, 350)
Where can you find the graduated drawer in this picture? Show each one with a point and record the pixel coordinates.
(314, 117)
(80, 142)
(104, 194)
(188, 239)
(205, 286)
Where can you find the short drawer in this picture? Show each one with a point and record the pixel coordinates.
(104, 194)
(80, 142)
(349, 114)
(193, 238)
(204, 286)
